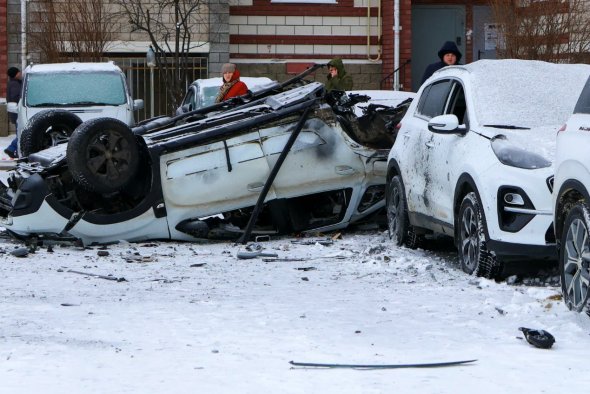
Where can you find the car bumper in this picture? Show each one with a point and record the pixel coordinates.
(525, 222)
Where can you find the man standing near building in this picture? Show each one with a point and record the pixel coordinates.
(13, 93)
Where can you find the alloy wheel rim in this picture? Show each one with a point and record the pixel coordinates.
(393, 212)
(108, 155)
(576, 271)
(469, 238)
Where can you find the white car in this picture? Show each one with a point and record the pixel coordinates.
(571, 205)
(202, 92)
(76, 92)
(473, 160)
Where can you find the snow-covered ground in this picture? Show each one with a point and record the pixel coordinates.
(194, 318)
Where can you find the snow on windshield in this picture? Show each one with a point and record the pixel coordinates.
(525, 93)
(75, 87)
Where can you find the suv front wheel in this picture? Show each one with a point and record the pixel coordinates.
(398, 224)
(574, 259)
(474, 256)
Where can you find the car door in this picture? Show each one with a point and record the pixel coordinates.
(440, 161)
(216, 177)
(318, 161)
(416, 143)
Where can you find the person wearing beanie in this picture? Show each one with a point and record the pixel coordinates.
(337, 77)
(13, 93)
(448, 54)
(232, 86)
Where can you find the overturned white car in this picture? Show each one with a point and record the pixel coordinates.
(290, 158)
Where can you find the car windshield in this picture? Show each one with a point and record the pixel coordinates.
(76, 88)
(503, 91)
(208, 94)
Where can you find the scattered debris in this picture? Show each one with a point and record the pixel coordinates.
(306, 268)
(380, 366)
(20, 252)
(196, 265)
(305, 279)
(103, 253)
(244, 255)
(500, 311)
(284, 259)
(323, 242)
(538, 338)
(107, 277)
(138, 259)
(68, 304)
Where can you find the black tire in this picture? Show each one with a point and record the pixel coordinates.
(398, 224)
(574, 259)
(46, 129)
(474, 256)
(103, 155)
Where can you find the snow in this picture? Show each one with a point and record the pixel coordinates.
(552, 88)
(72, 67)
(195, 318)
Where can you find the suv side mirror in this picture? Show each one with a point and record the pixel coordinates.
(446, 124)
(137, 104)
(12, 107)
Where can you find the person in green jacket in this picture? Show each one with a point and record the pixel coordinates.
(337, 77)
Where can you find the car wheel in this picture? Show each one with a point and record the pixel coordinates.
(398, 224)
(574, 259)
(103, 155)
(46, 129)
(474, 256)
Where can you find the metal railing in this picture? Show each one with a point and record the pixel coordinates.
(139, 81)
(388, 81)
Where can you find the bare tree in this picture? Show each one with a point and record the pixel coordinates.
(69, 30)
(550, 30)
(174, 28)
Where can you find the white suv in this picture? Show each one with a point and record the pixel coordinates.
(87, 90)
(473, 160)
(571, 200)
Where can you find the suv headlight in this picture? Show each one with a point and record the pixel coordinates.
(515, 156)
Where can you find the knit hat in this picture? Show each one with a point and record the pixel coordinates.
(12, 71)
(228, 68)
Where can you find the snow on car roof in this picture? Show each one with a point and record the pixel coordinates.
(523, 92)
(72, 66)
(249, 81)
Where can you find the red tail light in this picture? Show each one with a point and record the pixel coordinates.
(562, 128)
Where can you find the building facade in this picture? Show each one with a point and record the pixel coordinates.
(278, 38)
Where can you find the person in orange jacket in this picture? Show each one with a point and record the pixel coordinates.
(232, 86)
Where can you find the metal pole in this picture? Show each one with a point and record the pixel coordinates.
(23, 34)
(152, 91)
(396, 49)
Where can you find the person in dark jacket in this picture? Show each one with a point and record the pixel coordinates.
(13, 93)
(232, 86)
(337, 77)
(449, 55)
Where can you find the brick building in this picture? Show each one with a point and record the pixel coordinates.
(278, 38)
